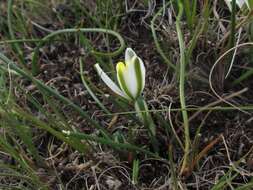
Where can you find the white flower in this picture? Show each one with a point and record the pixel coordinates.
(130, 76)
(240, 3)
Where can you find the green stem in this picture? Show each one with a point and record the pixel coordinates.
(35, 66)
(199, 30)
(19, 41)
(15, 46)
(135, 171)
(233, 25)
(158, 47)
(143, 112)
(189, 14)
(231, 42)
(181, 89)
(109, 142)
(174, 176)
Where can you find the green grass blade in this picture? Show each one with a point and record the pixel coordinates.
(243, 77)
(182, 90)
(52, 92)
(35, 67)
(248, 186)
(89, 89)
(16, 46)
(117, 146)
(44, 126)
(25, 166)
(158, 47)
(135, 171)
(201, 26)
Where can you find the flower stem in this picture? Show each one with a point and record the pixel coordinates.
(143, 112)
(182, 93)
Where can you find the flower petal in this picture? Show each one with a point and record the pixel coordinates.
(109, 82)
(122, 76)
(228, 2)
(131, 77)
(129, 54)
(239, 3)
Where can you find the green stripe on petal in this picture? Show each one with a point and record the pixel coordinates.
(138, 75)
(121, 68)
